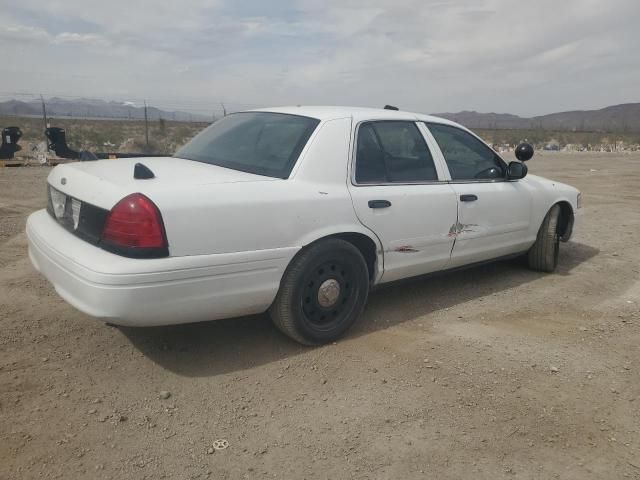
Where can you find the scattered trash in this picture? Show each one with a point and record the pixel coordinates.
(221, 444)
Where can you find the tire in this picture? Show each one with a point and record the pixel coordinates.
(314, 317)
(543, 255)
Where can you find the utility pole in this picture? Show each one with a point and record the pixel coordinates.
(44, 112)
(146, 125)
(224, 110)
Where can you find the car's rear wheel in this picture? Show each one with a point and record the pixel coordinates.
(322, 293)
(543, 255)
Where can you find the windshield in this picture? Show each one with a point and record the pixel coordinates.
(255, 142)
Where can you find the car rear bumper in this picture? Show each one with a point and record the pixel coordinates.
(147, 292)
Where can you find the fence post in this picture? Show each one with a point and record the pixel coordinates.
(146, 125)
(44, 112)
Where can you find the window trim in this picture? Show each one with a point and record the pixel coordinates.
(354, 153)
(451, 180)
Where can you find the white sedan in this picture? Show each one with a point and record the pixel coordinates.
(298, 211)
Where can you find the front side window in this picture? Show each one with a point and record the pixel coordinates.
(256, 142)
(467, 157)
(393, 152)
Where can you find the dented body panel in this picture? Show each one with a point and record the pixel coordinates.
(495, 225)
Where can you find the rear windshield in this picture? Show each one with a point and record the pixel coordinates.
(255, 142)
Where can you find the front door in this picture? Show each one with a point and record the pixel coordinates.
(398, 192)
(493, 213)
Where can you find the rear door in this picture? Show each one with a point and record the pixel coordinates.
(493, 212)
(399, 192)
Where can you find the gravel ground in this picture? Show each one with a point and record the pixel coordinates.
(494, 372)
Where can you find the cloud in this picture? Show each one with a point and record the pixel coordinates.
(426, 55)
(26, 34)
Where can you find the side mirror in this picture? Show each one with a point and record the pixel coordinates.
(524, 152)
(516, 171)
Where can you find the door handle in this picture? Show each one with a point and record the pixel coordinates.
(379, 203)
(468, 198)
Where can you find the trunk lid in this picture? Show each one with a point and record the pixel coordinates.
(104, 182)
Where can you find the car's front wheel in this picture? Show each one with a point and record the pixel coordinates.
(322, 293)
(543, 255)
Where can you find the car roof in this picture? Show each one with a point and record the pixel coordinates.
(357, 113)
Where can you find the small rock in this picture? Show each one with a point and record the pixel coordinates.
(92, 411)
(45, 359)
(324, 381)
(210, 451)
(164, 395)
(554, 369)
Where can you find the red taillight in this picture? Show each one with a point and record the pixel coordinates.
(134, 222)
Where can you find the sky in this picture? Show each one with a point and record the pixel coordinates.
(525, 57)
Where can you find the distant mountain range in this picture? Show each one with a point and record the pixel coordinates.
(617, 118)
(89, 108)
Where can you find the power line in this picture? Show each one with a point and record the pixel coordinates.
(163, 100)
(170, 108)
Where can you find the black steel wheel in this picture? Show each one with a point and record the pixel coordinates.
(322, 293)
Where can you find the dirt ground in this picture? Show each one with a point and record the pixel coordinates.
(494, 372)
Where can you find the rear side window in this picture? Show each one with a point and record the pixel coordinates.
(467, 157)
(256, 142)
(393, 152)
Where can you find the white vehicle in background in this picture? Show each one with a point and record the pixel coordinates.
(298, 211)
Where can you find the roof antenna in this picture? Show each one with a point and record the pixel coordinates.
(142, 172)
(391, 107)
